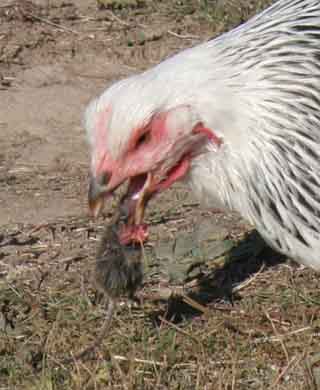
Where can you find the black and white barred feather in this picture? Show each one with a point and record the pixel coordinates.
(270, 172)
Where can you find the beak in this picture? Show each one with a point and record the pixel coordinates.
(132, 206)
(133, 203)
(97, 194)
(143, 200)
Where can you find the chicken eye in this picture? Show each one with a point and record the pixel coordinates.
(142, 139)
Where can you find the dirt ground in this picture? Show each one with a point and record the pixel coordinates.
(234, 330)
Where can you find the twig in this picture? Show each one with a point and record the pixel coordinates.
(195, 304)
(37, 228)
(179, 329)
(249, 281)
(121, 375)
(43, 276)
(278, 335)
(291, 364)
(307, 299)
(182, 36)
(14, 290)
(296, 331)
(43, 20)
(115, 17)
(164, 294)
(71, 259)
(21, 169)
(136, 360)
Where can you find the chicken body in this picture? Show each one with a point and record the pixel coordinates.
(254, 93)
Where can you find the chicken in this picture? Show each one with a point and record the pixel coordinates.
(237, 118)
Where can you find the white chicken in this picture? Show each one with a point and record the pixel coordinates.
(238, 118)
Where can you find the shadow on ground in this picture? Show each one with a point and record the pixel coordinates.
(219, 285)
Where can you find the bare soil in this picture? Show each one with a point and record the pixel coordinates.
(218, 309)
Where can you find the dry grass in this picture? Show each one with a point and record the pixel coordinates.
(260, 337)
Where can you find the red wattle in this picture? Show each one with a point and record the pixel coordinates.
(175, 174)
(208, 133)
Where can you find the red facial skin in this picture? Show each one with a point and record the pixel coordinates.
(150, 148)
(200, 129)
